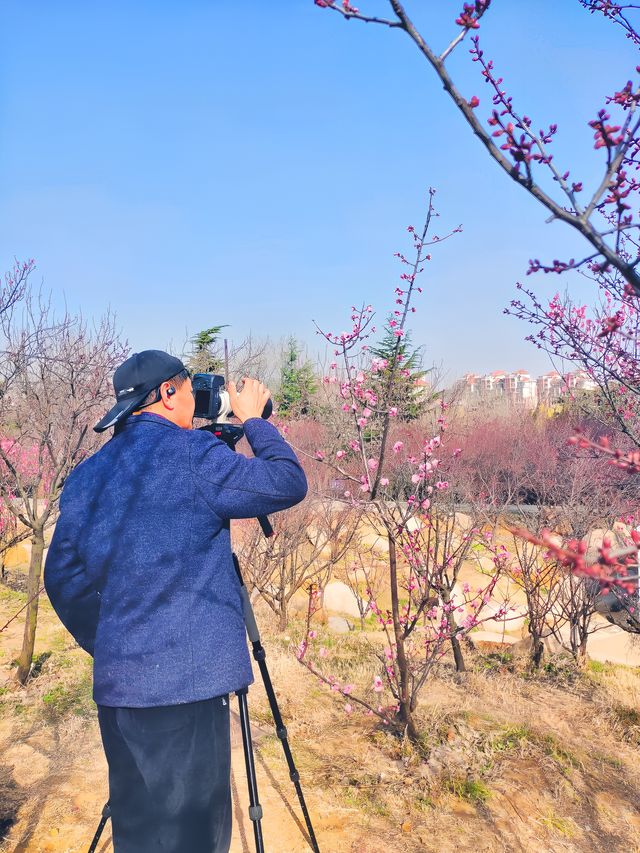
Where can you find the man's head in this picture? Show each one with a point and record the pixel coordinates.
(152, 381)
(172, 399)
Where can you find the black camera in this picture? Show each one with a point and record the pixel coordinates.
(212, 399)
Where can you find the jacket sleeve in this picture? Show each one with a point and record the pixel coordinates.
(70, 590)
(238, 487)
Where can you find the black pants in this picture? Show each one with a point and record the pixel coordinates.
(169, 772)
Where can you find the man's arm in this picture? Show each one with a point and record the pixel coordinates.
(237, 487)
(70, 590)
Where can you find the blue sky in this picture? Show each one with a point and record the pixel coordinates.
(256, 164)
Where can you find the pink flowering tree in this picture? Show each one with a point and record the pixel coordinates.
(8, 535)
(524, 469)
(395, 478)
(604, 214)
(601, 341)
(60, 370)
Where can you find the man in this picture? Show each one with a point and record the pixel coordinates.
(140, 572)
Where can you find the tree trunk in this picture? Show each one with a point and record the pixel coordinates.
(457, 650)
(282, 615)
(581, 656)
(537, 651)
(455, 642)
(405, 714)
(574, 638)
(31, 621)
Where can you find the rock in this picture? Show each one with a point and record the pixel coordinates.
(338, 624)
(338, 598)
(524, 647)
(375, 541)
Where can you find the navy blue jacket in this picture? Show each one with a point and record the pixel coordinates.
(140, 570)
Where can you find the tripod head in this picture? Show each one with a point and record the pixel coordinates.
(229, 433)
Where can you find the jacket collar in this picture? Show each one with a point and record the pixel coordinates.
(149, 417)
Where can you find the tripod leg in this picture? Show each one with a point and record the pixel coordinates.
(255, 809)
(281, 730)
(106, 814)
(260, 655)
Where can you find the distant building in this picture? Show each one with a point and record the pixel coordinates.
(520, 387)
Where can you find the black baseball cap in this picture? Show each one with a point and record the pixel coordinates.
(135, 378)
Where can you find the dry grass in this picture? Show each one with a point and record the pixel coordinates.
(506, 762)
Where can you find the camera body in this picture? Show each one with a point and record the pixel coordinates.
(212, 399)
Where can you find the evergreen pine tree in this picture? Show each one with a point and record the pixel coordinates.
(205, 358)
(297, 382)
(408, 393)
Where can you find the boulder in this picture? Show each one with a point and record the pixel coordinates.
(338, 598)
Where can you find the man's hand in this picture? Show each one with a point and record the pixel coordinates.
(250, 402)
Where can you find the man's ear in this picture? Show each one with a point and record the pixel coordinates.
(166, 392)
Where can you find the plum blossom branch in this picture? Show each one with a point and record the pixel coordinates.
(516, 155)
(330, 681)
(348, 11)
(615, 13)
(572, 556)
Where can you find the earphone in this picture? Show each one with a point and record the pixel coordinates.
(171, 391)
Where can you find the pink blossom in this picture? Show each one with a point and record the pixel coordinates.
(397, 447)
(393, 411)
(348, 708)
(377, 684)
(384, 481)
(362, 422)
(372, 464)
(340, 454)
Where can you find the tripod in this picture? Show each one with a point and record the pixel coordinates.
(259, 654)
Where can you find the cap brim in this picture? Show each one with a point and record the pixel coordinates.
(118, 413)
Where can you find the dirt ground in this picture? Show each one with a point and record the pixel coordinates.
(508, 763)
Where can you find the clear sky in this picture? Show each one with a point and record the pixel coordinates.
(256, 163)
